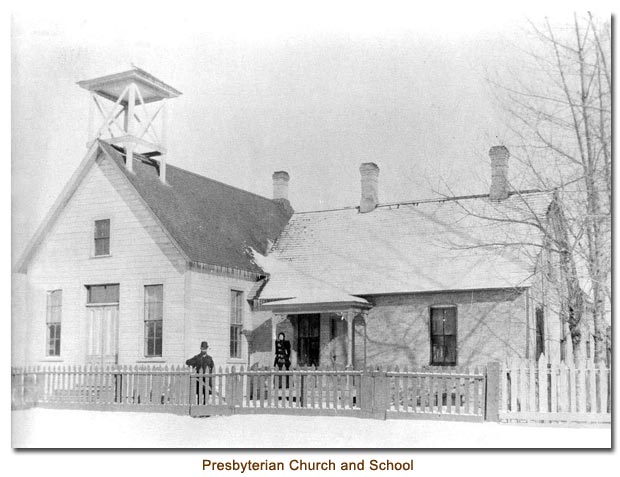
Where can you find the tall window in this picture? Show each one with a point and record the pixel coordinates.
(236, 323)
(102, 237)
(540, 332)
(443, 336)
(54, 311)
(153, 318)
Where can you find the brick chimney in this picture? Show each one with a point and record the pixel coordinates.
(370, 186)
(499, 172)
(280, 185)
(280, 191)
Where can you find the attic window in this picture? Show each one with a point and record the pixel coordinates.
(102, 237)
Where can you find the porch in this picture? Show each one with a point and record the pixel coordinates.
(328, 335)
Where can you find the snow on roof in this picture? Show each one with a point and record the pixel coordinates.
(448, 244)
(296, 287)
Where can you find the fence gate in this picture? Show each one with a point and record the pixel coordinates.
(212, 394)
(443, 393)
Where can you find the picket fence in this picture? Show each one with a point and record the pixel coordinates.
(552, 392)
(164, 389)
(519, 391)
(454, 393)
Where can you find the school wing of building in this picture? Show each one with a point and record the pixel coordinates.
(435, 282)
(139, 261)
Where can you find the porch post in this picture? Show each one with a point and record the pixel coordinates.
(365, 318)
(349, 318)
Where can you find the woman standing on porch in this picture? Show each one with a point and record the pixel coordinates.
(283, 352)
(283, 355)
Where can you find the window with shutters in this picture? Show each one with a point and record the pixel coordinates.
(53, 319)
(443, 336)
(236, 323)
(153, 319)
(102, 237)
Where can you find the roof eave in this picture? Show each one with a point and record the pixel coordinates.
(135, 73)
(297, 308)
(450, 290)
(201, 266)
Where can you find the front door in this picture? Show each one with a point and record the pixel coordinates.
(102, 335)
(102, 324)
(308, 346)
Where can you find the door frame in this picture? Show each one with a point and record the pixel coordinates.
(100, 360)
(316, 316)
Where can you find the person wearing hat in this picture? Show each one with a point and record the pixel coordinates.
(202, 363)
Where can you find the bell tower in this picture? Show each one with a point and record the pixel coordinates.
(132, 109)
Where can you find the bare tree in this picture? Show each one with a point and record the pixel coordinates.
(558, 104)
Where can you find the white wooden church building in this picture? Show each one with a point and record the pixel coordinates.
(138, 261)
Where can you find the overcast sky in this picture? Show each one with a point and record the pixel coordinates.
(268, 89)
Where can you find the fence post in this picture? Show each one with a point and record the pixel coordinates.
(492, 391)
(382, 393)
(231, 388)
(367, 388)
(39, 385)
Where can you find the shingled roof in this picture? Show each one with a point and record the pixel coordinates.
(433, 245)
(213, 223)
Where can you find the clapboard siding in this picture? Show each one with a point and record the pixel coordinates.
(209, 301)
(141, 254)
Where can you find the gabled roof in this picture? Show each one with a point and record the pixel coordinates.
(434, 245)
(211, 222)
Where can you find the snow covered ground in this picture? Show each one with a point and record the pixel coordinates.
(93, 429)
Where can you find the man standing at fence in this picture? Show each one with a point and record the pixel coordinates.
(202, 363)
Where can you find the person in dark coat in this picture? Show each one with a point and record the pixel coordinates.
(202, 363)
(283, 355)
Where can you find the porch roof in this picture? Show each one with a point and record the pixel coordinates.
(292, 307)
(297, 290)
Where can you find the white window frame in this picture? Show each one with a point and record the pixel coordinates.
(161, 337)
(48, 322)
(236, 321)
(94, 237)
